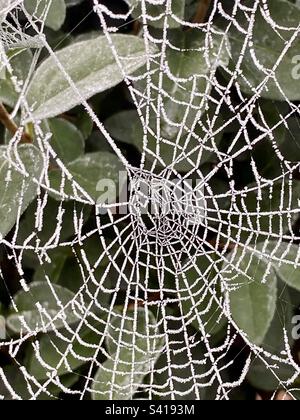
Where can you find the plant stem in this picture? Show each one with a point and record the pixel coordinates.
(11, 126)
(137, 26)
(202, 11)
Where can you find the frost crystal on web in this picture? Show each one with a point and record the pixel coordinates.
(164, 262)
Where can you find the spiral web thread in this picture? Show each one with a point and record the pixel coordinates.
(174, 242)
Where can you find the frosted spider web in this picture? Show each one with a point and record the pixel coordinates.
(162, 325)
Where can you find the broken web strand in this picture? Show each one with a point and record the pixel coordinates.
(166, 328)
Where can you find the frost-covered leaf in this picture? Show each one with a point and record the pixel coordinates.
(120, 379)
(253, 294)
(18, 169)
(268, 51)
(52, 346)
(52, 12)
(56, 304)
(270, 378)
(88, 171)
(20, 61)
(92, 68)
(131, 356)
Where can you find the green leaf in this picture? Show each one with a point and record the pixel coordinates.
(262, 378)
(51, 347)
(67, 140)
(121, 374)
(72, 278)
(259, 375)
(52, 12)
(274, 342)
(20, 61)
(186, 60)
(8, 94)
(56, 313)
(284, 258)
(285, 135)
(289, 145)
(52, 270)
(156, 14)
(84, 123)
(16, 381)
(87, 63)
(252, 301)
(268, 46)
(88, 171)
(39, 292)
(18, 169)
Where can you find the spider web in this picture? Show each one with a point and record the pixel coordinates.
(154, 327)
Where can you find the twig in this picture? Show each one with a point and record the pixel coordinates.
(11, 126)
(202, 11)
(137, 26)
